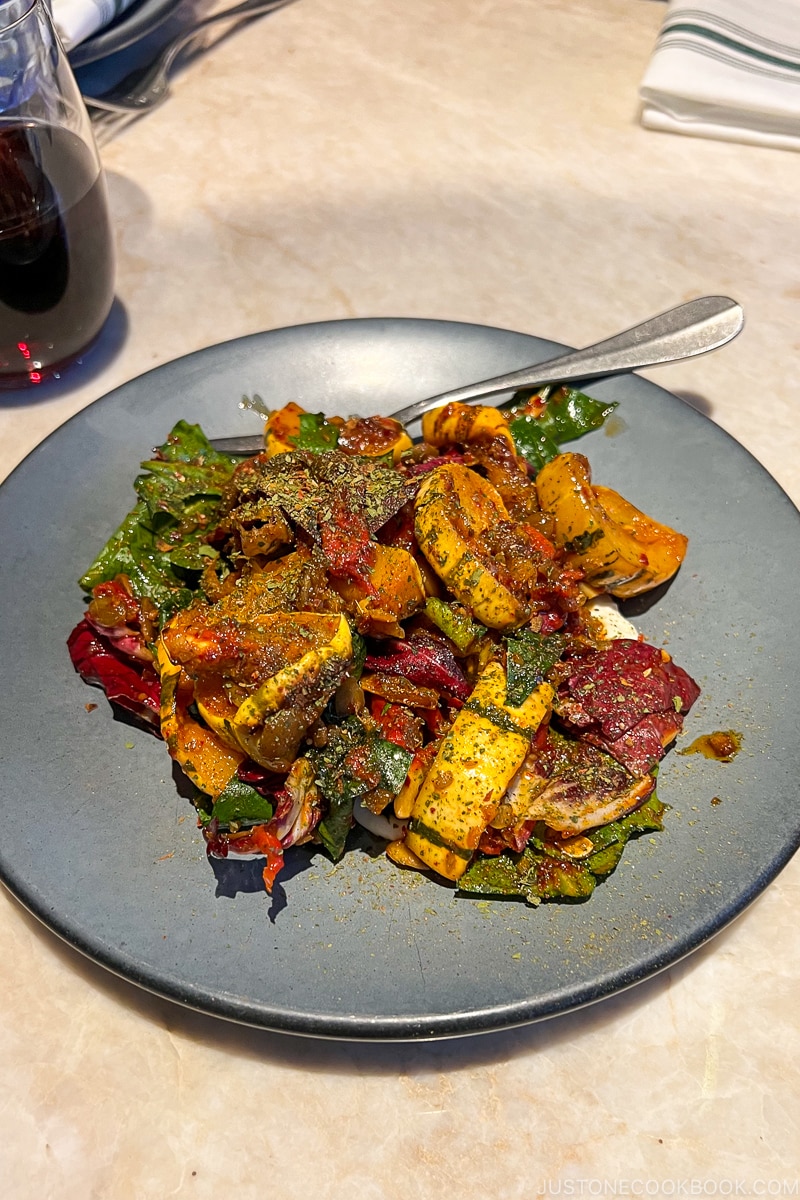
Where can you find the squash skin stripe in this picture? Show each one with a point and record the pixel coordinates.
(499, 718)
(436, 839)
(273, 692)
(476, 761)
(452, 506)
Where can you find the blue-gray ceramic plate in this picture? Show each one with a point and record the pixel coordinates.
(99, 842)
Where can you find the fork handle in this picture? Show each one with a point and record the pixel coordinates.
(145, 89)
(693, 328)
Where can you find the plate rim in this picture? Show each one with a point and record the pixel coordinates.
(407, 1027)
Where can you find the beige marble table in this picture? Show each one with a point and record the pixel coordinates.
(477, 160)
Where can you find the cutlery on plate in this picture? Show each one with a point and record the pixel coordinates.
(692, 328)
(148, 86)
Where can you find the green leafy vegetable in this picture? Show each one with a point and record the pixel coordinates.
(539, 872)
(531, 875)
(529, 656)
(241, 803)
(355, 762)
(391, 761)
(316, 434)
(647, 818)
(161, 544)
(340, 788)
(569, 415)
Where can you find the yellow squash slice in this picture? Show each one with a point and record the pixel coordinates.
(206, 758)
(459, 424)
(453, 507)
(476, 761)
(281, 428)
(269, 721)
(274, 693)
(622, 550)
(395, 591)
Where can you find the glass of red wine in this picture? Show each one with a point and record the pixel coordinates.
(56, 241)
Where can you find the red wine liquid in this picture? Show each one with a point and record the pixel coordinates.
(56, 251)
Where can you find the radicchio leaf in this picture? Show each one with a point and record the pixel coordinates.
(129, 682)
(630, 699)
(423, 660)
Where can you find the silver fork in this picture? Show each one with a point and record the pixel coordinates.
(147, 87)
(692, 328)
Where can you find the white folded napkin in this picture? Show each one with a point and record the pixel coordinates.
(727, 69)
(76, 20)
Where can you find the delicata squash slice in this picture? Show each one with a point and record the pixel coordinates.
(392, 590)
(477, 760)
(350, 628)
(460, 424)
(208, 761)
(453, 507)
(621, 550)
(252, 710)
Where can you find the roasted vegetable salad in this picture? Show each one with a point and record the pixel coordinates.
(351, 628)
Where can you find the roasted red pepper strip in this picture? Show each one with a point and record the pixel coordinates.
(397, 724)
(265, 840)
(539, 541)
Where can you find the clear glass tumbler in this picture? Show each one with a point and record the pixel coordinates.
(56, 241)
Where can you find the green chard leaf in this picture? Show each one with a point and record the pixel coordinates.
(569, 415)
(161, 544)
(532, 875)
(391, 761)
(559, 879)
(132, 550)
(340, 788)
(239, 803)
(539, 873)
(529, 656)
(500, 875)
(316, 434)
(354, 762)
